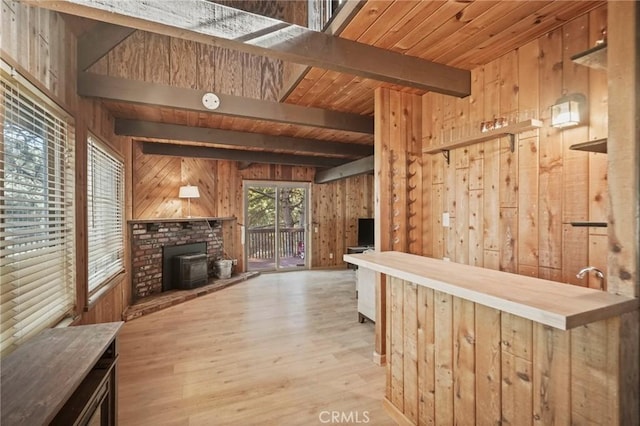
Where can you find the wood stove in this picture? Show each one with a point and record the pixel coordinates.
(190, 270)
(184, 266)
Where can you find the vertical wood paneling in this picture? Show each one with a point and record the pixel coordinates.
(461, 230)
(436, 219)
(426, 357)
(158, 178)
(443, 360)
(523, 200)
(550, 158)
(575, 163)
(527, 203)
(517, 370)
(478, 365)
(415, 192)
(397, 342)
(488, 366)
(425, 186)
(476, 222)
(464, 369)
(410, 350)
(594, 373)
(551, 379)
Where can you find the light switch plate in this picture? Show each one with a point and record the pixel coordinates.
(445, 219)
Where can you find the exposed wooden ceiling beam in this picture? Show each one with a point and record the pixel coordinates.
(354, 168)
(148, 129)
(124, 90)
(345, 13)
(99, 41)
(219, 25)
(238, 155)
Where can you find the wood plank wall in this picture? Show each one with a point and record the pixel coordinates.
(511, 211)
(624, 180)
(41, 45)
(399, 171)
(183, 63)
(451, 361)
(334, 212)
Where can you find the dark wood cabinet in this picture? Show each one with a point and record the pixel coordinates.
(63, 376)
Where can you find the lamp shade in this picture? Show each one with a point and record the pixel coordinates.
(189, 191)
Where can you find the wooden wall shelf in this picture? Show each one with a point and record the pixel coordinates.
(599, 146)
(596, 57)
(510, 130)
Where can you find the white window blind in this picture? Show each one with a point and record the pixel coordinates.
(37, 257)
(105, 205)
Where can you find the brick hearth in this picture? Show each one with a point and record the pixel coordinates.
(149, 237)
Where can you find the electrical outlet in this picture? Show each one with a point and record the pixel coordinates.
(445, 219)
(315, 229)
(330, 255)
(234, 262)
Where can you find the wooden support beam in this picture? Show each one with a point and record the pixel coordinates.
(347, 11)
(354, 168)
(212, 23)
(124, 90)
(192, 151)
(147, 129)
(99, 41)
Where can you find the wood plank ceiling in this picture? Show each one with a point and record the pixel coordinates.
(464, 34)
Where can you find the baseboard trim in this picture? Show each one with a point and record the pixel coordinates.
(379, 359)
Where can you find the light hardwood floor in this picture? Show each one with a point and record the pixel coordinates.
(279, 349)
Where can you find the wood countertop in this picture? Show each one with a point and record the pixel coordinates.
(41, 375)
(559, 305)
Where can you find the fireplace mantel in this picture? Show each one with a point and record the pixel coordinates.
(182, 219)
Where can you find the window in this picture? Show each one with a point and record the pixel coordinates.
(37, 257)
(105, 205)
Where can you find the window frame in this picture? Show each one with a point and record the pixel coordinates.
(24, 103)
(111, 279)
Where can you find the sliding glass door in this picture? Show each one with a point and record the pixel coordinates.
(276, 217)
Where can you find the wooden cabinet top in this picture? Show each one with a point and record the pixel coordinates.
(40, 376)
(559, 305)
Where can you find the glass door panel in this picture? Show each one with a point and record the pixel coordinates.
(292, 203)
(276, 218)
(260, 241)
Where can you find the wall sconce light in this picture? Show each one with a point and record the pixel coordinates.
(568, 111)
(189, 192)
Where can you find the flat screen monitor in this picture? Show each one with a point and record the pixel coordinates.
(365, 231)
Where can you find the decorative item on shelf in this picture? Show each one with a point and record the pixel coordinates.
(189, 192)
(494, 124)
(568, 111)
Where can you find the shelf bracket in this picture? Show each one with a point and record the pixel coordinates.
(512, 142)
(445, 154)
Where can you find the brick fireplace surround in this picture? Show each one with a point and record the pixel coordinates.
(148, 237)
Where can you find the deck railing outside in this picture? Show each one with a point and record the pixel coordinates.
(262, 243)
